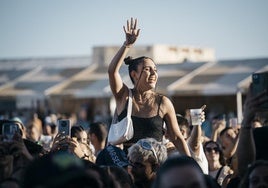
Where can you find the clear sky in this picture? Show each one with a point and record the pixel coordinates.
(55, 28)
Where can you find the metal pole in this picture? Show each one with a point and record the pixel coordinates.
(239, 106)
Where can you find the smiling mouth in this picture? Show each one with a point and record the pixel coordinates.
(152, 79)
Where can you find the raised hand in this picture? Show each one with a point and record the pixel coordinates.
(251, 105)
(131, 32)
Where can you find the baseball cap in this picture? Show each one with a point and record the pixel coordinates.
(112, 156)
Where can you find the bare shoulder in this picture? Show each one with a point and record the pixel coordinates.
(166, 105)
(166, 102)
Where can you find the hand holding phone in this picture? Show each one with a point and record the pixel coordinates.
(8, 131)
(64, 126)
(259, 85)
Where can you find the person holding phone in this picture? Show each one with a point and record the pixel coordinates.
(74, 142)
(150, 109)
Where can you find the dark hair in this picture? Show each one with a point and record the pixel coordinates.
(173, 162)
(134, 63)
(76, 129)
(100, 130)
(211, 182)
(60, 169)
(5, 181)
(225, 129)
(181, 120)
(221, 159)
(245, 180)
(119, 175)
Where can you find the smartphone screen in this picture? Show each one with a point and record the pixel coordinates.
(64, 126)
(259, 84)
(8, 131)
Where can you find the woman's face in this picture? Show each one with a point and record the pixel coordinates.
(212, 152)
(33, 133)
(81, 137)
(228, 139)
(147, 74)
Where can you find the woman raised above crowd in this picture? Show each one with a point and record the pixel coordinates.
(150, 110)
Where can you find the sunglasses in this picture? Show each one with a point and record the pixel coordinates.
(216, 149)
(147, 146)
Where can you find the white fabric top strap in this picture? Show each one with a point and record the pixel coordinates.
(129, 106)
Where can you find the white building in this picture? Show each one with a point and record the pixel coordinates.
(161, 54)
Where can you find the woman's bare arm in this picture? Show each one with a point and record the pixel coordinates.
(116, 82)
(173, 127)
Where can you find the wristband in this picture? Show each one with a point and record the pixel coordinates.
(127, 46)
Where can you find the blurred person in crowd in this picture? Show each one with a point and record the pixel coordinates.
(50, 128)
(218, 124)
(120, 176)
(185, 129)
(10, 183)
(20, 125)
(256, 122)
(217, 167)
(82, 118)
(14, 153)
(37, 122)
(193, 136)
(145, 157)
(256, 175)
(180, 171)
(81, 136)
(75, 143)
(251, 145)
(33, 133)
(32, 146)
(229, 140)
(79, 133)
(150, 109)
(98, 134)
(61, 170)
(227, 137)
(252, 141)
(49, 132)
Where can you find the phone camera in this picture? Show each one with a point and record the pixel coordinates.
(63, 123)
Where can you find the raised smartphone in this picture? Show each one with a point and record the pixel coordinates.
(259, 84)
(64, 126)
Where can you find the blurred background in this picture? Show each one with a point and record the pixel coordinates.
(54, 54)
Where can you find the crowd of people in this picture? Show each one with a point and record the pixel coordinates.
(166, 151)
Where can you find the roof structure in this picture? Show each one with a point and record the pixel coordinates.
(221, 78)
(31, 77)
(78, 78)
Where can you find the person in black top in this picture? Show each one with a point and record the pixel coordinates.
(150, 110)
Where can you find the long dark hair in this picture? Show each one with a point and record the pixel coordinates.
(76, 130)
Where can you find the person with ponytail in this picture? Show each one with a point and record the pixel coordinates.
(150, 110)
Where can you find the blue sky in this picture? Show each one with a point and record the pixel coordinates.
(49, 28)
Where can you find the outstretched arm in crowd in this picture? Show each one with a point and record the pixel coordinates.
(195, 140)
(172, 127)
(217, 127)
(118, 88)
(246, 147)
